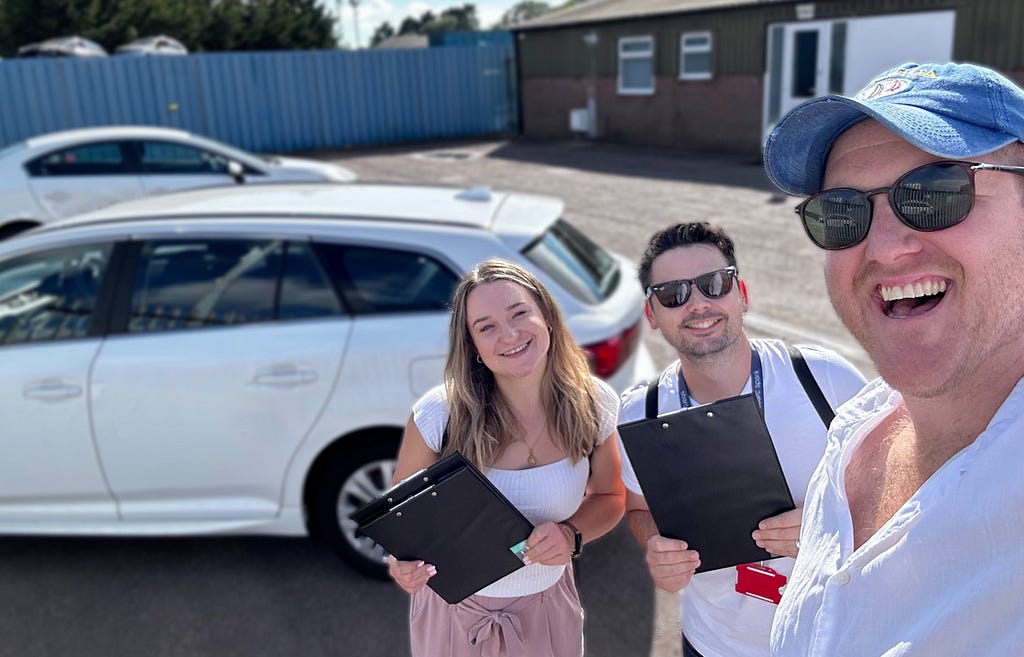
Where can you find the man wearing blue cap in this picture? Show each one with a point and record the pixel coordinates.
(914, 520)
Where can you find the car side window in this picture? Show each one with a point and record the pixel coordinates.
(195, 283)
(376, 280)
(164, 157)
(306, 290)
(51, 295)
(99, 159)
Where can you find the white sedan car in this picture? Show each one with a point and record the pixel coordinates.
(244, 359)
(60, 174)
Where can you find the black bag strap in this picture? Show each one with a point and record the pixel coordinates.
(803, 372)
(651, 401)
(811, 387)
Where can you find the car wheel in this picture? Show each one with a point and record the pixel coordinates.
(348, 479)
(13, 228)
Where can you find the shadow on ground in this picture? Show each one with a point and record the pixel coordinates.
(253, 597)
(646, 162)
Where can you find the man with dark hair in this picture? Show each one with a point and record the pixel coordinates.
(697, 300)
(913, 523)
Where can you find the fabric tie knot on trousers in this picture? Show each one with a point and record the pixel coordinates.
(492, 629)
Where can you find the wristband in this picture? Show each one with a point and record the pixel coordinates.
(577, 538)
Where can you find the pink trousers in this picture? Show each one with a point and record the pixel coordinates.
(545, 624)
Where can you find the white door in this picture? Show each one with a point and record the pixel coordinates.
(200, 408)
(813, 58)
(49, 469)
(799, 65)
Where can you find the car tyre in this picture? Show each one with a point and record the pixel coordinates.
(347, 479)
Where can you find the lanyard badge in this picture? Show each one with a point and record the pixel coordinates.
(760, 582)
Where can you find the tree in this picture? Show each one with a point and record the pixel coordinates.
(199, 24)
(411, 25)
(521, 12)
(225, 27)
(383, 32)
(454, 19)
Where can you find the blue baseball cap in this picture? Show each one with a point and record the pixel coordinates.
(956, 111)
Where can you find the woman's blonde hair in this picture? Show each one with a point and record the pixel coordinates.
(481, 422)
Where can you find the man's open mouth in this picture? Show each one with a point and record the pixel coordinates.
(912, 300)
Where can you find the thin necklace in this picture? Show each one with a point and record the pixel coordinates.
(531, 460)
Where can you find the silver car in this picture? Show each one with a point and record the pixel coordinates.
(60, 174)
(160, 44)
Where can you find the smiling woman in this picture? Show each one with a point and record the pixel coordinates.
(518, 400)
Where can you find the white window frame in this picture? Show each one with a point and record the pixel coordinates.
(624, 55)
(685, 50)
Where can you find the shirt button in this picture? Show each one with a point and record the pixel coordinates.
(843, 577)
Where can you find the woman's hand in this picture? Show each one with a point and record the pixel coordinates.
(548, 544)
(410, 575)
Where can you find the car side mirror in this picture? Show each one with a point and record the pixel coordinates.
(236, 171)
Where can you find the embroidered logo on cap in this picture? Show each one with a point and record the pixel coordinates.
(882, 88)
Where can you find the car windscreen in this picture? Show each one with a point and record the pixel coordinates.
(583, 268)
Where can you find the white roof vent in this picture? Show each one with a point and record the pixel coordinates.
(478, 193)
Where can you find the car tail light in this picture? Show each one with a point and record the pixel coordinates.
(607, 357)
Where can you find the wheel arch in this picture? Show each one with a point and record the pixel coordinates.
(350, 442)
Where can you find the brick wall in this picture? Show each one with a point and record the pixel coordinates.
(720, 114)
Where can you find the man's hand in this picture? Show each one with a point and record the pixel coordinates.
(780, 534)
(670, 562)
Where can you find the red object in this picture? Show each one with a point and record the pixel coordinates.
(760, 582)
(607, 357)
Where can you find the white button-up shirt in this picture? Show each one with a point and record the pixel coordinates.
(943, 577)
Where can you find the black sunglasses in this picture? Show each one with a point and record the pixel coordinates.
(713, 285)
(929, 198)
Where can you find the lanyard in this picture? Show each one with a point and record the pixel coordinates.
(756, 382)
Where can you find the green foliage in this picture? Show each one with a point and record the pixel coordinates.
(383, 32)
(520, 13)
(454, 19)
(202, 25)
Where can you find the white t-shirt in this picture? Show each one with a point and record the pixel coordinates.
(944, 577)
(546, 493)
(716, 620)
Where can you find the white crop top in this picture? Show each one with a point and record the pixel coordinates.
(546, 493)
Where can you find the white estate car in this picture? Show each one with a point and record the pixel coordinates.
(60, 174)
(243, 359)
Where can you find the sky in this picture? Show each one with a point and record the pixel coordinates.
(374, 12)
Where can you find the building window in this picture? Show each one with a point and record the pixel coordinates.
(636, 65)
(695, 56)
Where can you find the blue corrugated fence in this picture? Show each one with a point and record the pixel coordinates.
(271, 101)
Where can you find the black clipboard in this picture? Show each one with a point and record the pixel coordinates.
(710, 474)
(449, 515)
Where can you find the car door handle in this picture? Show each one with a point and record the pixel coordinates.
(52, 390)
(285, 376)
